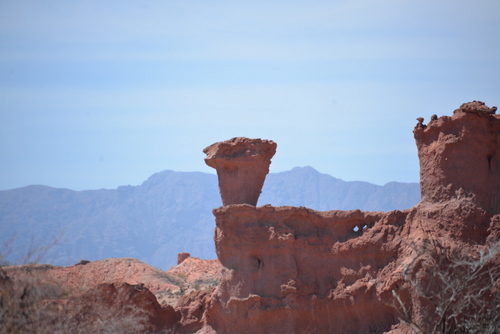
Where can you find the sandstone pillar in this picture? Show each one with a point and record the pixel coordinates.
(242, 165)
(459, 156)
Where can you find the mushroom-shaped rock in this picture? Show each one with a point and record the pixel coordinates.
(242, 165)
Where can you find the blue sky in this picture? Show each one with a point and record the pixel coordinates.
(97, 94)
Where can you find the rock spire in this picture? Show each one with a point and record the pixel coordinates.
(459, 156)
(242, 165)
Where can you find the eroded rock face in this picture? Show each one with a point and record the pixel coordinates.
(296, 270)
(242, 165)
(286, 266)
(459, 156)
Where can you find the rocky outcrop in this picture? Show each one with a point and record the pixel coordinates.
(181, 257)
(37, 302)
(296, 270)
(434, 268)
(459, 156)
(117, 308)
(111, 295)
(197, 274)
(168, 287)
(242, 165)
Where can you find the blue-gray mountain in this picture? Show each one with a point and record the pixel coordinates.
(171, 212)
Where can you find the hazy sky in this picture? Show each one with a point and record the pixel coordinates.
(97, 94)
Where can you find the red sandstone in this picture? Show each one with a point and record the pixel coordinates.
(242, 165)
(296, 270)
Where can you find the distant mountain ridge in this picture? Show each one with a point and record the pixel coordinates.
(305, 186)
(170, 212)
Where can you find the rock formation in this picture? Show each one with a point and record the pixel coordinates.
(181, 257)
(90, 298)
(434, 268)
(458, 156)
(296, 270)
(242, 165)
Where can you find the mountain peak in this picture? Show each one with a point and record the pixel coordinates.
(307, 169)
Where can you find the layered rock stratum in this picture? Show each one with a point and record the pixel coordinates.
(433, 268)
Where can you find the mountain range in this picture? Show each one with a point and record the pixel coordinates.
(170, 212)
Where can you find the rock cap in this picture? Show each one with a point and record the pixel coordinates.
(239, 149)
(242, 165)
(476, 107)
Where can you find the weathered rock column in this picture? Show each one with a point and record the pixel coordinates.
(459, 155)
(242, 165)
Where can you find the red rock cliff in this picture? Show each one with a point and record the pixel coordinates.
(434, 268)
(459, 156)
(296, 270)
